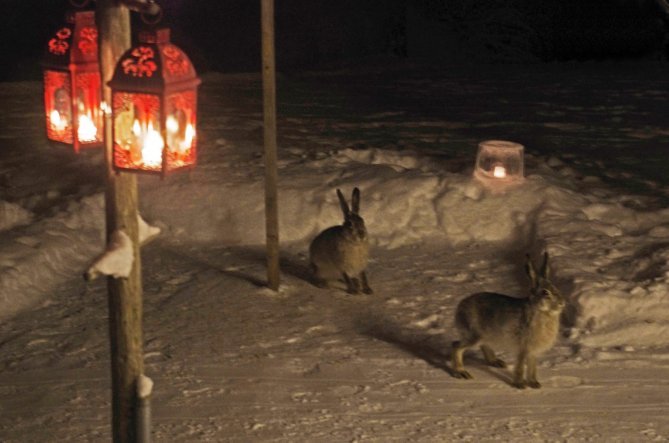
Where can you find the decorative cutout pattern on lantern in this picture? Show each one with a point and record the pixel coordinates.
(499, 161)
(72, 87)
(154, 101)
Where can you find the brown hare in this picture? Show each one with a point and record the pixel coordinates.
(526, 326)
(343, 250)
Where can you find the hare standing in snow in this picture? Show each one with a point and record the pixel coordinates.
(342, 251)
(528, 326)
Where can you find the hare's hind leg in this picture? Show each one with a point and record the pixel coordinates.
(365, 285)
(491, 358)
(352, 284)
(316, 278)
(519, 371)
(459, 348)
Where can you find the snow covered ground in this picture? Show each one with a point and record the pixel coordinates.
(234, 361)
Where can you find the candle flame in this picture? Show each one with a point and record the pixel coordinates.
(152, 147)
(499, 172)
(86, 132)
(56, 120)
(189, 136)
(172, 124)
(136, 129)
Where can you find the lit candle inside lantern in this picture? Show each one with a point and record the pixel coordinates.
(136, 129)
(150, 142)
(189, 136)
(172, 124)
(499, 171)
(57, 121)
(152, 147)
(87, 130)
(182, 141)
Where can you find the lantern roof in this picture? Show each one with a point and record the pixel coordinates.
(75, 44)
(154, 65)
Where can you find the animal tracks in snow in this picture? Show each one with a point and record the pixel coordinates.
(564, 381)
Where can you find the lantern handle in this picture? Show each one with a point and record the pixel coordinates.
(79, 3)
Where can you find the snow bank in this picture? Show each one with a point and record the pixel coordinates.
(40, 256)
(596, 236)
(610, 256)
(405, 199)
(12, 215)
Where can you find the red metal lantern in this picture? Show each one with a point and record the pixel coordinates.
(72, 88)
(154, 98)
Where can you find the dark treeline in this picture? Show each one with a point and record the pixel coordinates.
(225, 35)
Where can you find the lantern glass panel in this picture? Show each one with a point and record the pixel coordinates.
(58, 105)
(180, 129)
(89, 115)
(72, 86)
(500, 161)
(138, 139)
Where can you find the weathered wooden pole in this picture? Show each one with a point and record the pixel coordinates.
(124, 294)
(271, 175)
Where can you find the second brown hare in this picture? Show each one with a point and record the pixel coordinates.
(343, 250)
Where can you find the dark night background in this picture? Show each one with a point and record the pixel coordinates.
(321, 34)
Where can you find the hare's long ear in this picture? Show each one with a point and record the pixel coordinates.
(355, 201)
(343, 204)
(545, 269)
(531, 272)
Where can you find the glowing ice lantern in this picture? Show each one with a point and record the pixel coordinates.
(154, 98)
(72, 87)
(499, 161)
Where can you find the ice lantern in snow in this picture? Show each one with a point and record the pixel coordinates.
(154, 98)
(72, 87)
(499, 161)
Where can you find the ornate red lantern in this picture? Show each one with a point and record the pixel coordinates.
(154, 98)
(72, 88)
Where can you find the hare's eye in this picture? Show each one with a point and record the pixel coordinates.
(546, 293)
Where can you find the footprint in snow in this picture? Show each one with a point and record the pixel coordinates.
(564, 381)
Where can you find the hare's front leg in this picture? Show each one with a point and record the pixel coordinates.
(519, 371)
(532, 381)
(365, 285)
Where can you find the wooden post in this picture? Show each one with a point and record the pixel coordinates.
(124, 294)
(271, 175)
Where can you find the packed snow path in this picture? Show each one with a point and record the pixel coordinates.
(235, 362)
